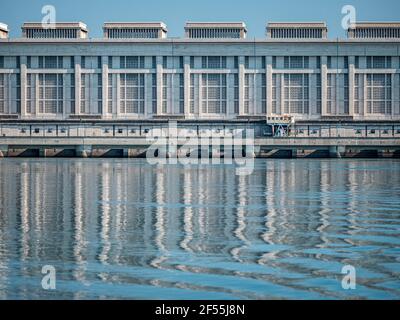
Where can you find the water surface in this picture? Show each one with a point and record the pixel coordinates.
(125, 229)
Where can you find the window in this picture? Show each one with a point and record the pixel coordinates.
(132, 62)
(214, 93)
(358, 131)
(132, 93)
(296, 93)
(213, 62)
(120, 131)
(379, 93)
(51, 93)
(337, 93)
(296, 62)
(379, 62)
(50, 62)
(91, 93)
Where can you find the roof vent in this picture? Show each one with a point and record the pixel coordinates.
(60, 30)
(135, 30)
(215, 30)
(374, 30)
(290, 30)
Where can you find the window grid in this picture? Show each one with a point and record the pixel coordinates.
(379, 93)
(51, 93)
(214, 93)
(296, 98)
(132, 93)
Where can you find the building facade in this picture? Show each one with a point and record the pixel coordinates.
(214, 73)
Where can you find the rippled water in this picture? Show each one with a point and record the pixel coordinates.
(126, 229)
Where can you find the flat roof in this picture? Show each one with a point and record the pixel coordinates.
(58, 25)
(215, 25)
(369, 24)
(116, 25)
(296, 25)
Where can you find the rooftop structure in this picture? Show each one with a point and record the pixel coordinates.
(373, 30)
(135, 30)
(295, 30)
(59, 30)
(215, 30)
(3, 31)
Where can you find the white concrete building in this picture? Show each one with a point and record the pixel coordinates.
(214, 73)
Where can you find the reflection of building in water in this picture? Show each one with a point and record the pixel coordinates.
(122, 213)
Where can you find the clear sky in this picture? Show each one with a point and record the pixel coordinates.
(256, 13)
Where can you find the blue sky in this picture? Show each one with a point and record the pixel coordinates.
(176, 12)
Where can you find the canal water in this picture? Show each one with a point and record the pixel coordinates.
(120, 228)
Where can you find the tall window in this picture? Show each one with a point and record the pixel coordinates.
(2, 93)
(379, 93)
(132, 93)
(91, 93)
(337, 93)
(214, 93)
(110, 94)
(296, 93)
(51, 93)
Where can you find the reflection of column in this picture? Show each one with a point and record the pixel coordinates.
(188, 211)
(241, 217)
(160, 220)
(79, 229)
(106, 213)
(24, 198)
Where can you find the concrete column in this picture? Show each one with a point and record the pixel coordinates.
(23, 75)
(83, 151)
(282, 96)
(351, 84)
(118, 96)
(77, 60)
(104, 64)
(269, 85)
(241, 85)
(393, 97)
(186, 83)
(3, 151)
(159, 84)
(364, 106)
(312, 94)
(35, 107)
(200, 95)
(324, 83)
